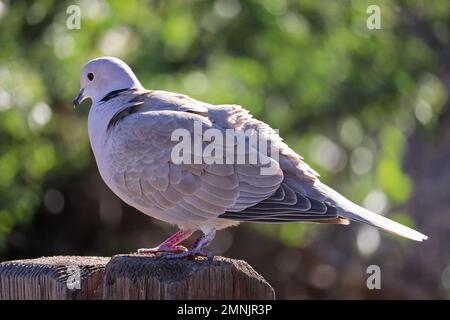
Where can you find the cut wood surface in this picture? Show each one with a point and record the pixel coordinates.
(131, 277)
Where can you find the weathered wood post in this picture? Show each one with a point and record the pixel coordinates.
(131, 277)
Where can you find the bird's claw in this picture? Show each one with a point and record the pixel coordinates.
(163, 249)
(192, 253)
(168, 249)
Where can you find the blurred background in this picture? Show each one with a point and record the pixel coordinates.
(368, 109)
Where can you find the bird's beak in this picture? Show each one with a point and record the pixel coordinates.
(79, 98)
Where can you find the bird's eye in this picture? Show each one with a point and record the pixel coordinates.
(90, 76)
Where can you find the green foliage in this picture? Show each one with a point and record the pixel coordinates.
(390, 177)
(335, 89)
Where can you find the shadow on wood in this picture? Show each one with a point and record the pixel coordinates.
(131, 277)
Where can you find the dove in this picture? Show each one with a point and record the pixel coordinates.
(131, 134)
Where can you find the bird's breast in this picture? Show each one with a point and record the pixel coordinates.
(98, 138)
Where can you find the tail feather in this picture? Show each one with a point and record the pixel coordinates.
(363, 215)
(354, 212)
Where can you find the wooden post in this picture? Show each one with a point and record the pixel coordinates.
(52, 278)
(131, 277)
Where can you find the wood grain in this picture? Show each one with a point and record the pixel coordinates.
(46, 278)
(132, 276)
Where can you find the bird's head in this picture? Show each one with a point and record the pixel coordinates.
(103, 75)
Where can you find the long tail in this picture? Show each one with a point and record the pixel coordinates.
(354, 212)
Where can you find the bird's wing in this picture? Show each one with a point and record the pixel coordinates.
(238, 192)
(144, 171)
(286, 204)
(305, 185)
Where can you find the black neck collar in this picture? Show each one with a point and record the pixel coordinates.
(113, 94)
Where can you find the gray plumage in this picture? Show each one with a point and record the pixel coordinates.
(130, 132)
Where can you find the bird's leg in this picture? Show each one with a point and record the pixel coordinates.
(170, 244)
(197, 248)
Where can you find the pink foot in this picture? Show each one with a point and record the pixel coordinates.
(170, 245)
(196, 250)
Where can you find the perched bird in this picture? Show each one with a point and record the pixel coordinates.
(131, 135)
